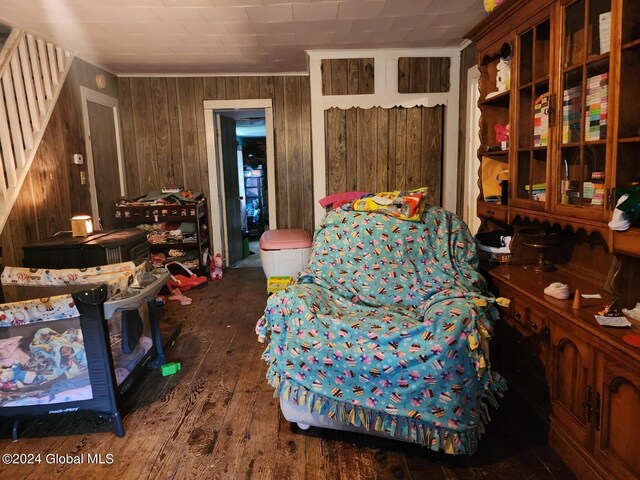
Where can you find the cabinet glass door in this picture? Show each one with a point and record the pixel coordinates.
(582, 163)
(533, 126)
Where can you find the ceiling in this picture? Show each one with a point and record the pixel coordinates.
(249, 122)
(235, 36)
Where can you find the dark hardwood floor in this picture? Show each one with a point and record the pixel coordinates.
(217, 418)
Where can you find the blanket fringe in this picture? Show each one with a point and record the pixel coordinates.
(418, 431)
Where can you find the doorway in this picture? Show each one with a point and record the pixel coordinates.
(104, 155)
(242, 177)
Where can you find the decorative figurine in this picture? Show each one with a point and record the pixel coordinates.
(503, 76)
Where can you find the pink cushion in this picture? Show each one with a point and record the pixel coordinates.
(340, 198)
(285, 238)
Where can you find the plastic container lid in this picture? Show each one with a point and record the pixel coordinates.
(285, 239)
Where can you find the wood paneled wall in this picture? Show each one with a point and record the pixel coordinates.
(382, 149)
(347, 76)
(51, 193)
(164, 135)
(423, 74)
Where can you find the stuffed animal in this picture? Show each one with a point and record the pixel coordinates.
(216, 267)
(503, 75)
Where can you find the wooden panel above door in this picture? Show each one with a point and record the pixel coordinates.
(423, 74)
(347, 76)
(382, 149)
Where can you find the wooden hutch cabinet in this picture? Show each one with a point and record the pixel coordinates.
(571, 105)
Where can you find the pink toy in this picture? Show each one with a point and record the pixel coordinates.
(338, 199)
(502, 133)
(177, 295)
(216, 267)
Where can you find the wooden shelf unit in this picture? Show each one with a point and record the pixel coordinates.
(581, 380)
(195, 212)
(556, 50)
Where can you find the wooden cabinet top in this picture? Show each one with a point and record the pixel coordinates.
(531, 285)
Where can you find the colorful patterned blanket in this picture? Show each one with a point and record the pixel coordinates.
(387, 329)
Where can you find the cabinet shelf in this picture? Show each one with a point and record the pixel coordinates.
(629, 140)
(602, 141)
(499, 100)
(597, 58)
(182, 245)
(572, 68)
(497, 153)
(633, 44)
(542, 81)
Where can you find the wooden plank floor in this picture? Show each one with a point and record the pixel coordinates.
(217, 418)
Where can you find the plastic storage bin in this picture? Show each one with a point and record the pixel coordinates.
(284, 252)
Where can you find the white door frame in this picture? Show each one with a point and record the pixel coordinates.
(88, 95)
(472, 163)
(217, 212)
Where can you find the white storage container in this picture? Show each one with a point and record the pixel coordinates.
(284, 252)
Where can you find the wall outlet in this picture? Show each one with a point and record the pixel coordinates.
(78, 159)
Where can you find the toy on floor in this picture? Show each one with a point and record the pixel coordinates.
(277, 283)
(177, 295)
(216, 267)
(170, 368)
(183, 282)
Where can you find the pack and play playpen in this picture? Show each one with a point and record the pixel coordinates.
(74, 340)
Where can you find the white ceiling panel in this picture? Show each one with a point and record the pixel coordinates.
(224, 14)
(222, 36)
(407, 7)
(305, 12)
(361, 9)
(271, 13)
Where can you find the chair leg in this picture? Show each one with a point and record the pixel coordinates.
(14, 430)
(116, 423)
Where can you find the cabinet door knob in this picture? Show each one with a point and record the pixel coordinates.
(533, 326)
(490, 212)
(517, 315)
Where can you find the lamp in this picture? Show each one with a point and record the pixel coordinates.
(81, 225)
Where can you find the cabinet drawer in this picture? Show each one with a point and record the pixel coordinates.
(522, 311)
(493, 212)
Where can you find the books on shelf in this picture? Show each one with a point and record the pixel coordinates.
(538, 191)
(593, 191)
(541, 121)
(596, 108)
(571, 114)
